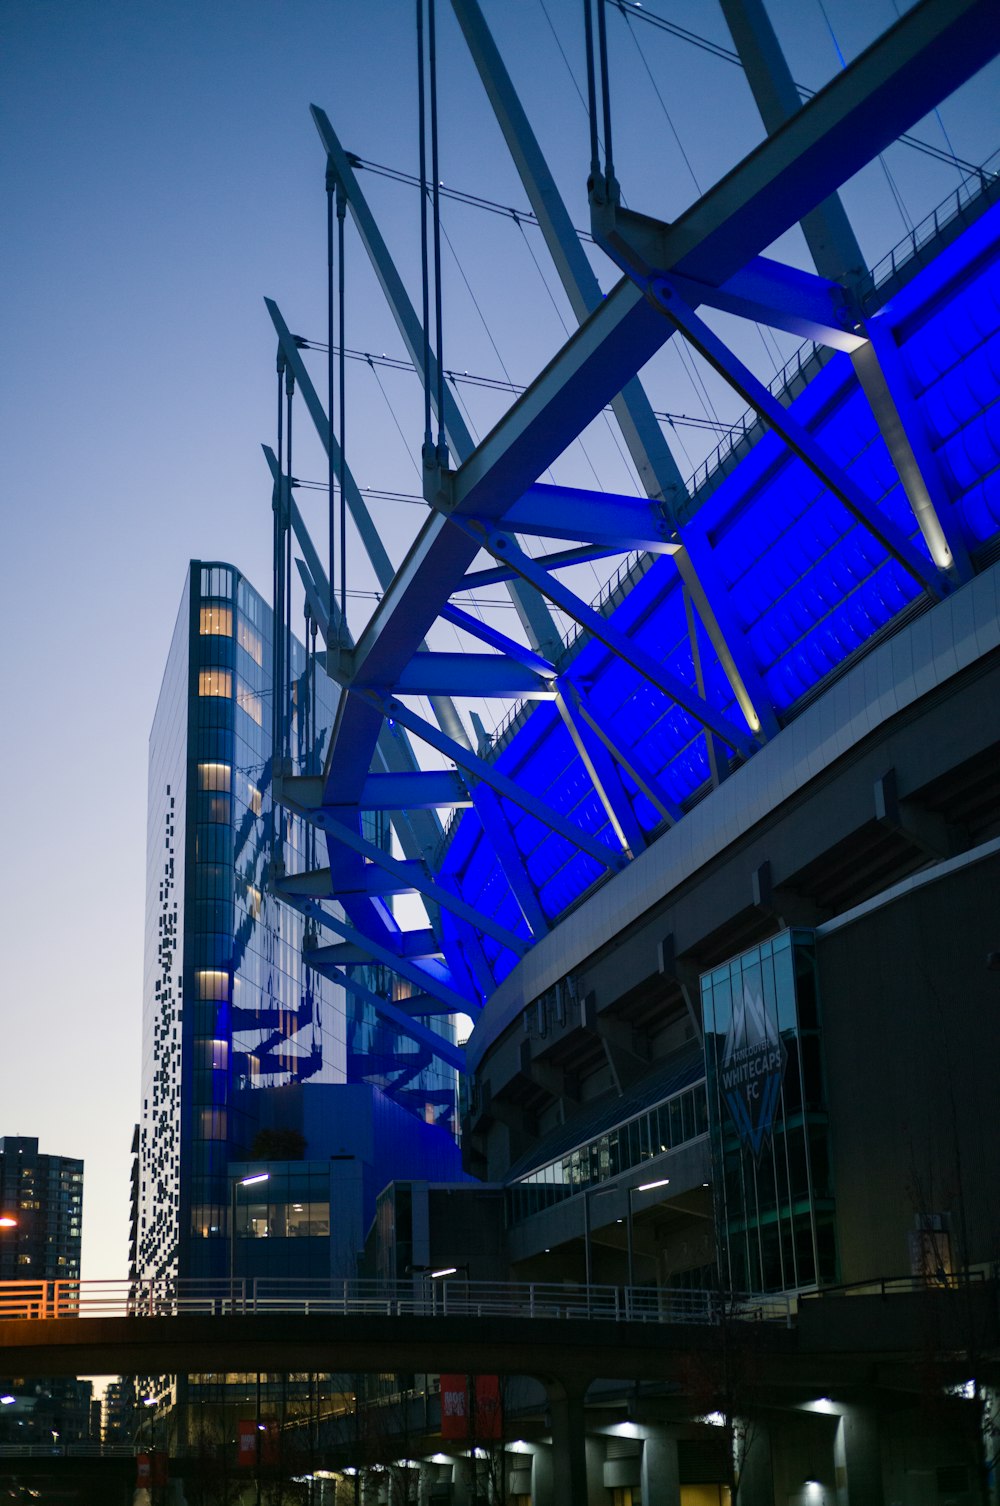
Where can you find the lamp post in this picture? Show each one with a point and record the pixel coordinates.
(250, 1181)
(645, 1187)
(588, 1193)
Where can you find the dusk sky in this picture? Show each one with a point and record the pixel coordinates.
(160, 176)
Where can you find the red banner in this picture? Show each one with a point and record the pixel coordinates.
(488, 1415)
(454, 1407)
(151, 1469)
(257, 1441)
(486, 1420)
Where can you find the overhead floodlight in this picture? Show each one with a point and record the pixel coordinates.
(7, 1222)
(7, 1401)
(648, 1186)
(258, 1176)
(448, 1270)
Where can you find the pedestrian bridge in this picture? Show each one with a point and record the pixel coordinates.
(553, 1331)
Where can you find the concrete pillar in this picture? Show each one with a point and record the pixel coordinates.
(756, 1475)
(857, 1457)
(462, 1482)
(569, 1455)
(660, 1476)
(541, 1476)
(596, 1493)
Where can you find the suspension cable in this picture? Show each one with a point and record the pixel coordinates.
(277, 609)
(588, 27)
(331, 184)
(424, 270)
(287, 622)
(602, 43)
(442, 455)
(342, 316)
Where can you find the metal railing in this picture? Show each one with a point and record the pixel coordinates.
(420, 1297)
(83, 1450)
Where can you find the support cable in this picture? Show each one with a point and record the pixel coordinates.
(425, 310)
(602, 42)
(287, 619)
(331, 184)
(595, 157)
(727, 55)
(278, 587)
(442, 446)
(342, 476)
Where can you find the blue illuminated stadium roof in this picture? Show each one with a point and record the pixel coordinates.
(809, 585)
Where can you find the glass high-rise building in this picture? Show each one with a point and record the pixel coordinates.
(45, 1195)
(230, 1003)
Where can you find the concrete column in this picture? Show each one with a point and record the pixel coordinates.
(462, 1482)
(857, 1457)
(756, 1477)
(660, 1476)
(541, 1476)
(596, 1493)
(569, 1455)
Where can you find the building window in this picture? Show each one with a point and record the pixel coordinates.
(211, 983)
(250, 703)
(215, 682)
(249, 640)
(214, 776)
(216, 621)
(216, 581)
(213, 1124)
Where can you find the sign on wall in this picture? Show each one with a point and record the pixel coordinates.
(752, 1067)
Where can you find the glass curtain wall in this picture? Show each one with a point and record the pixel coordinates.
(767, 1118)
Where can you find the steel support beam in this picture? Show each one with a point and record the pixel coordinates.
(603, 776)
(502, 546)
(488, 774)
(835, 251)
(458, 674)
(452, 1002)
(559, 559)
(569, 512)
(925, 56)
(408, 789)
(443, 709)
(667, 809)
(446, 1051)
(795, 435)
(500, 838)
(542, 632)
(413, 876)
(504, 645)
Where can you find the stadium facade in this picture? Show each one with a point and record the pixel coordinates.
(718, 894)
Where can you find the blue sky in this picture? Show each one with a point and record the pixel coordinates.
(160, 175)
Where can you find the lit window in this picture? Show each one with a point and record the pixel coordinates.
(248, 639)
(254, 798)
(214, 776)
(211, 983)
(216, 621)
(214, 1054)
(253, 901)
(215, 682)
(213, 1124)
(249, 702)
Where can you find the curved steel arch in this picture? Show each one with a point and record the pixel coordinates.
(713, 255)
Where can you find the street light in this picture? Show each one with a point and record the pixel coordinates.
(588, 1193)
(7, 1221)
(250, 1181)
(631, 1191)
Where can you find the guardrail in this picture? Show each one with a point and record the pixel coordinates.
(423, 1296)
(70, 1450)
